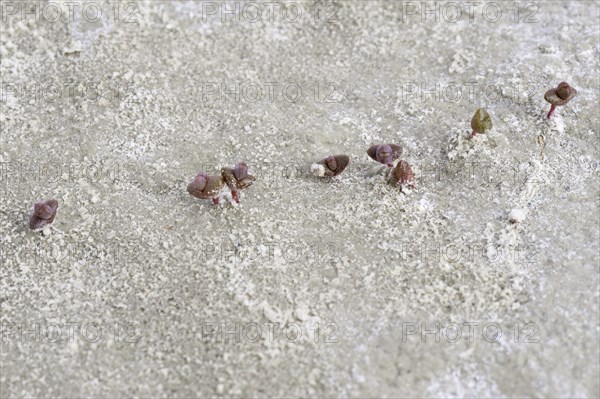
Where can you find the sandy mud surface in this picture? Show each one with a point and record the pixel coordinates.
(338, 287)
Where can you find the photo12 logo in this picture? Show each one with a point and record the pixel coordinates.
(456, 11)
(46, 172)
(69, 332)
(269, 92)
(289, 253)
(476, 251)
(68, 11)
(75, 92)
(254, 332)
(452, 332)
(484, 172)
(465, 92)
(252, 12)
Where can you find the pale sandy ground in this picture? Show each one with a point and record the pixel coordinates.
(134, 250)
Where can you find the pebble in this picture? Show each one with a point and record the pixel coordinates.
(301, 312)
(317, 170)
(517, 215)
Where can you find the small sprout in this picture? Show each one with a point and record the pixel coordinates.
(542, 144)
(237, 179)
(385, 153)
(559, 96)
(402, 176)
(204, 186)
(43, 214)
(331, 166)
(481, 122)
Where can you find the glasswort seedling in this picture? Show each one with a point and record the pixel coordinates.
(559, 96)
(237, 179)
(481, 122)
(331, 166)
(402, 176)
(204, 186)
(43, 214)
(385, 153)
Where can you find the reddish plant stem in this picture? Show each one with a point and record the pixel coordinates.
(551, 112)
(473, 133)
(216, 200)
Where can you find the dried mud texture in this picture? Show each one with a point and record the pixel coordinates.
(349, 254)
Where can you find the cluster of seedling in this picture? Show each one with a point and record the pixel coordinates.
(206, 186)
(237, 178)
(401, 175)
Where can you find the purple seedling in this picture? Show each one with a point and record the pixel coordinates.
(481, 122)
(331, 166)
(237, 179)
(43, 214)
(204, 186)
(385, 153)
(559, 96)
(402, 176)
